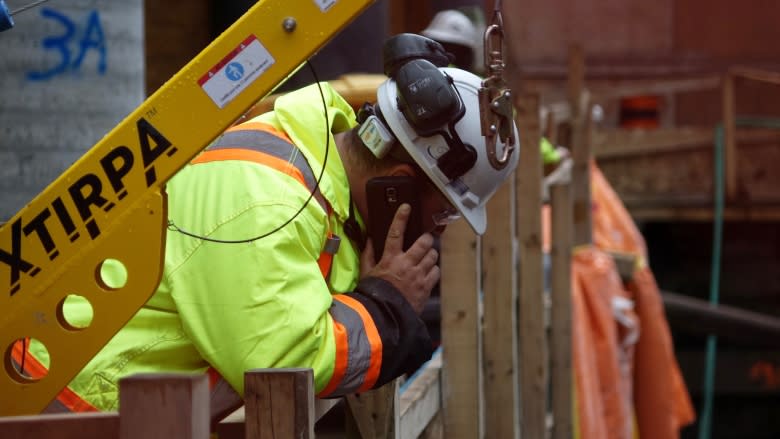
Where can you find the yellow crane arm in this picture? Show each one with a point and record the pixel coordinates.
(110, 204)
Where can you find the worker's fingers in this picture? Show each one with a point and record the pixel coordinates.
(429, 260)
(420, 250)
(395, 235)
(367, 260)
(432, 278)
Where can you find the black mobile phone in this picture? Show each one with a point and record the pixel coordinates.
(385, 195)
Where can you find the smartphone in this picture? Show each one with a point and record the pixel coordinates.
(385, 195)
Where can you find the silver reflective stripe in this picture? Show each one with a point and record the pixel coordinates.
(55, 406)
(358, 347)
(275, 146)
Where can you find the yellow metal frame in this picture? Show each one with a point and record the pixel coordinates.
(110, 204)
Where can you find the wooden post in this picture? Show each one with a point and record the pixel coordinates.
(421, 401)
(376, 413)
(461, 341)
(560, 314)
(729, 135)
(580, 146)
(279, 403)
(533, 342)
(500, 320)
(164, 406)
(61, 426)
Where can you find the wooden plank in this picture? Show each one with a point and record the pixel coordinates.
(674, 178)
(232, 427)
(703, 213)
(460, 334)
(421, 400)
(754, 74)
(164, 406)
(619, 143)
(729, 137)
(376, 413)
(560, 313)
(615, 143)
(61, 426)
(580, 146)
(532, 337)
(279, 403)
(435, 429)
(617, 88)
(500, 315)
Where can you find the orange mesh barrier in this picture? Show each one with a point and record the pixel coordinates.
(621, 383)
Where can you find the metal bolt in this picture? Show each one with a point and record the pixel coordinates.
(493, 128)
(289, 24)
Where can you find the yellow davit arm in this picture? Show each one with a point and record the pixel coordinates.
(110, 204)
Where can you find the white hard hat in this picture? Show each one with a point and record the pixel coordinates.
(440, 129)
(452, 26)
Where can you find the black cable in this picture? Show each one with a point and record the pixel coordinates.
(175, 228)
(24, 355)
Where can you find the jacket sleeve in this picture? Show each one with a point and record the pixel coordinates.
(383, 338)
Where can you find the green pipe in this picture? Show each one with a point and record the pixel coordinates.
(705, 422)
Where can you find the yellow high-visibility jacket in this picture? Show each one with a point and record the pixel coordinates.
(272, 302)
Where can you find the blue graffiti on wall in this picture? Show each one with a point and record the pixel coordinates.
(87, 38)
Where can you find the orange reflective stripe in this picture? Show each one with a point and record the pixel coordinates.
(32, 366)
(261, 127)
(325, 261)
(249, 155)
(36, 370)
(74, 403)
(375, 364)
(342, 356)
(214, 377)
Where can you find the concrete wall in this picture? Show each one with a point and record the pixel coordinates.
(70, 72)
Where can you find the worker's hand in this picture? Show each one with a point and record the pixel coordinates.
(413, 272)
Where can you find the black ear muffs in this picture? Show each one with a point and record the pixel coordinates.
(403, 48)
(432, 105)
(426, 97)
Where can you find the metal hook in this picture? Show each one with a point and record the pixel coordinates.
(496, 113)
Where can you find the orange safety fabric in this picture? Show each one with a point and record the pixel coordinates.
(620, 387)
(342, 358)
(325, 260)
(602, 361)
(375, 363)
(249, 155)
(663, 404)
(36, 371)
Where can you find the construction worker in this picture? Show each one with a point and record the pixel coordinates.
(460, 35)
(267, 264)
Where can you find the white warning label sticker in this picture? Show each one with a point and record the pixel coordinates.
(240, 68)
